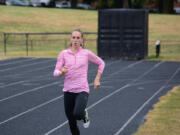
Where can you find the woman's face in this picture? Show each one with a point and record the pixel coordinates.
(76, 39)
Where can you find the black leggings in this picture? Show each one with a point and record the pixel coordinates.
(75, 104)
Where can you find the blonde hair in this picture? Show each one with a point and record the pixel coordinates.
(78, 30)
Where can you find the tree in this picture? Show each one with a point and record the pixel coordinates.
(121, 3)
(102, 3)
(137, 3)
(88, 1)
(118, 4)
(73, 3)
(165, 6)
(128, 3)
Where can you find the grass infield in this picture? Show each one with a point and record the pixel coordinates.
(30, 19)
(164, 119)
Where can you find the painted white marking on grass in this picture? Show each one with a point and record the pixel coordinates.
(147, 102)
(14, 62)
(30, 110)
(26, 65)
(102, 99)
(28, 91)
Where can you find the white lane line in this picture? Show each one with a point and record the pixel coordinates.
(18, 115)
(56, 128)
(1, 83)
(114, 62)
(41, 68)
(124, 68)
(147, 102)
(20, 61)
(129, 66)
(127, 85)
(91, 106)
(10, 84)
(104, 98)
(30, 110)
(147, 82)
(106, 65)
(108, 96)
(28, 91)
(155, 66)
(26, 65)
(25, 81)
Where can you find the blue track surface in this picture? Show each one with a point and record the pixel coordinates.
(31, 99)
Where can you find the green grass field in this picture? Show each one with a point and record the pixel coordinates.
(30, 19)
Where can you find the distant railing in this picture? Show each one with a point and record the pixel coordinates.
(49, 44)
(50, 39)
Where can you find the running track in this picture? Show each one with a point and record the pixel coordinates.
(31, 99)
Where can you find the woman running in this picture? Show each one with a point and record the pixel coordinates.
(73, 63)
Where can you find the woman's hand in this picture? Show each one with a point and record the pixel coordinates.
(63, 71)
(96, 83)
(96, 80)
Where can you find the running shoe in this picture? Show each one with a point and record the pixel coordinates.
(86, 120)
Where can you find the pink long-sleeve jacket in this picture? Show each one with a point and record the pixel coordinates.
(77, 65)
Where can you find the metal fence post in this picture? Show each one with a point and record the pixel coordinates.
(158, 46)
(31, 41)
(27, 44)
(5, 44)
(65, 45)
(83, 42)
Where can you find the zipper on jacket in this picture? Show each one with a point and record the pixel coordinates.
(75, 58)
